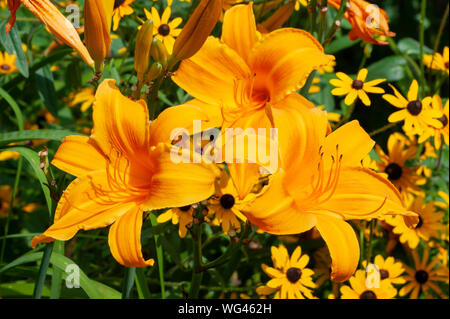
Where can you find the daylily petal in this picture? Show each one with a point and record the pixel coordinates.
(178, 184)
(342, 244)
(239, 29)
(283, 69)
(211, 73)
(361, 193)
(274, 211)
(77, 156)
(119, 122)
(124, 240)
(81, 207)
(183, 117)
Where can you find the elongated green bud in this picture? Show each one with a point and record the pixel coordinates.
(142, 51)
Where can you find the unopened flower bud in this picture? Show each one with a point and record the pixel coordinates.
(97, 26)
(159, 52)
(154, 71)
(197, 29)
(142, 52)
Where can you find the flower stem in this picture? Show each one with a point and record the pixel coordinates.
(197, 272)
(382, 129)
(439, 160)
(422, 40)
(336, 22)
(159, 255)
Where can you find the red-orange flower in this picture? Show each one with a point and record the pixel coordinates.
(369, 22)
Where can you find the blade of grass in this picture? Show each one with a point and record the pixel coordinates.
(56, 286)
(128, 282)
(40, 281)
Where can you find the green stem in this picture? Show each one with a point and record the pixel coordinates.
(39, 285)
(128, 282)
(305, 89)
(439, 160)
(369, 243)
(55, 290)
(336, 22)
(159, 256)
(422, 40)
(347, 115)
(361, 241)
(382, 129)
(197, 272)
(323, 20)
(313, 14)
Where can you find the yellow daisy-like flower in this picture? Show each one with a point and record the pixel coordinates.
(404, 177)
(444, 196)
(437, 61)
(441, 135)
(182, 215)
(290, 277)
(423, 276)
(226, 205)
(389, 269)
(7, 63)
(121, 8)
(358, 88)
(164, 30)
(85, 97)
(417, 114)
(299, 3)
(428, 226)
(360, 289)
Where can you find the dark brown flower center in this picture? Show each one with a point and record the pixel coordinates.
(357, 84)
(118, 3)
(421, 276)
(420, 223)
(293, 274)
(394, 171)
(5, 67)
(164, 29)
(384, 274)
(444, 120)
(185, 208)
(446, 65)
(368, 294)
(227, 201)
(414, 107)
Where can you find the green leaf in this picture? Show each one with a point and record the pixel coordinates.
(16, 136)
(391, 68)
(340, 44)
(94, 289)
(34, 161)
(20, 289)
(27, 258)
(15, 107)
(411, 47)
(141, 284)
(13, 45)
(46, 89)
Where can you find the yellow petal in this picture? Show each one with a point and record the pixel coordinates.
(239, 29)
(81, 207)
(413, 91)
(124, 239)
(210, 74)
(362, 75)
(119, 122)
(283, 60)
(77, 156)
(275, 212)
(342, 244)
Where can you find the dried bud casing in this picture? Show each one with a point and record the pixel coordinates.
(197, 29)
(97, 26)
(142, 51)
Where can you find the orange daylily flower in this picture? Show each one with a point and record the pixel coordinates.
(367, 20)
(122, 170)
(324, 185)
(57, 23)
(252, 79)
